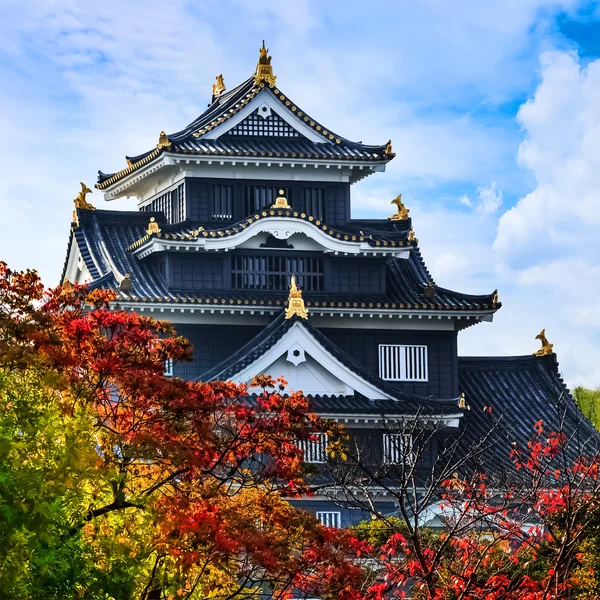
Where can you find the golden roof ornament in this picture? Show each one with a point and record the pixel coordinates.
(219, 86)
(281, 201)
(462, 402)
(80, 201)
(295, 302)
(401, 213)
(163, 140)
(546, 348)
(66, 288)
(152, 227)
(388, 147)
(264, 70)
(411, 235)
(495, 298)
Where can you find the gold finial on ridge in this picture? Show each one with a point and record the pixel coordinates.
(66, 287)
(163, 140)
(80, 201)
(219, 86)
(546, 345)
(281, 201)
(388, 147)
(401, 213)
(495, 298)
(264, 70)
(152, 227)
(462, 402)
(411, 235)
(295, 302)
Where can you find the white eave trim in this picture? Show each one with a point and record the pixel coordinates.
(449, 420)
(362, 168)
(174, 307)
(281, 228)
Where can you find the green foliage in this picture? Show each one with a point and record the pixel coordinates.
(589, 403)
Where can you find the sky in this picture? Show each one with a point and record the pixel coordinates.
(493, 109)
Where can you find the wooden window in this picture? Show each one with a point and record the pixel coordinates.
(274, 272)
(169, 367)
(330, 518)
(257, 197)
(313, 202)
(315, 450)
(222, 202)
(396, 446)
(179, 194)
(402, 363)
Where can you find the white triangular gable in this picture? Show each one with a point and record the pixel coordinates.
(266, 105)
(309, 367)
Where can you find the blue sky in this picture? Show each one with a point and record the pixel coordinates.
(493, 108)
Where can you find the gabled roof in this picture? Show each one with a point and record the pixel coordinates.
(520, 391)
(383, 397)
(213, 134)
(103, 238)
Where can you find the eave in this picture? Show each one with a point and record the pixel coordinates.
(282, 224)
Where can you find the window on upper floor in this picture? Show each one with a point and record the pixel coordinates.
(222, 202)
(257, 197)
(315, 450)
(395, 447)
(313, 202)
(329, 518)
(169, 367)
(274, 272)
(171, 204)
(403, 362)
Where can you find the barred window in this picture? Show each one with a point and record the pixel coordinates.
(313, 202)
(169, 367)
(395, 446)
(315, 450)
(402, 363)
(274, 272)
(180, 198)
(330, 518)
(255, 125)
(258, 197)
(222, 202)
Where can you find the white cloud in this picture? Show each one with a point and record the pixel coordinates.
(96, 80)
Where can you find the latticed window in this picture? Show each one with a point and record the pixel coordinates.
(256, 125)
(329, 518)
(258, 197)
(274, 272)
(402, 363)
(222, 202)
(315, 450)
(395, 447)
(180, 200)
(163, 204)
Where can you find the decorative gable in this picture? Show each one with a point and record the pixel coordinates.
(263, 122)
(308, 366)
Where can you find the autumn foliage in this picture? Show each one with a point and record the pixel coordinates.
(117, 481)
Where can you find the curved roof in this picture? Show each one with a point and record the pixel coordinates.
(105, 237)
(198, 138)
(507, 396)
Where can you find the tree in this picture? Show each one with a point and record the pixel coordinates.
(120, 480)
(466, 526)
(589, 402)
